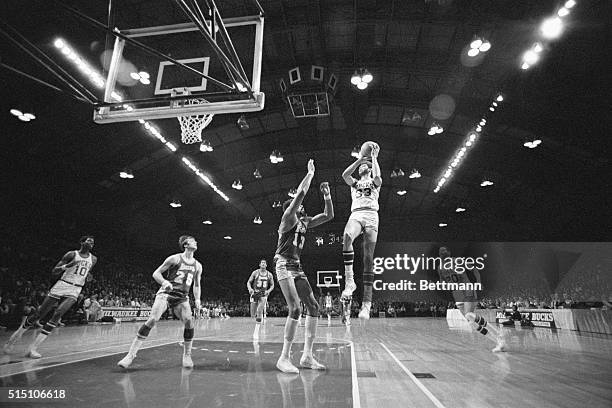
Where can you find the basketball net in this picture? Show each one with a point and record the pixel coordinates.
(192, 126)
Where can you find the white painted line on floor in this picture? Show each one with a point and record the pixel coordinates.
(356, 400)
(268, 352)
(419, 384)
(204, 349)
(233, 351)
(218, 351)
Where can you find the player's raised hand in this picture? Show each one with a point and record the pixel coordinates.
(311, 166)
(375, 150)
(325, 188)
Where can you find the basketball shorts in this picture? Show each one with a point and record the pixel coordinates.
(368, 219)
(173, 298)
(63, 289)
(288, 268)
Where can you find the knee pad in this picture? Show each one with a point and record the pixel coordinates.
(144, 330)
(188, 334)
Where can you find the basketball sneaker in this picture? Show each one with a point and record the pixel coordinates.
(33, 354)
(187, 361)
(310, 362)
(349, 288)
(126, 361)
(364, 313)
(501, 345)
(8, 347)
(286, 366)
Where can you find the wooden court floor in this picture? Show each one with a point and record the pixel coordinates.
(409, 362)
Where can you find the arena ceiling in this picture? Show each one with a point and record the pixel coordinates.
(415, 51)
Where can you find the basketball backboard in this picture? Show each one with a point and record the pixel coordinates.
(220, 63)
(328, 279)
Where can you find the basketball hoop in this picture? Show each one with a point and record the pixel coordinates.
(192, 126)
(327, 281)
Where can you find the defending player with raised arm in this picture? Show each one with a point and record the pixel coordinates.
(183, 271)
(466, 300)
(74, 268)
(290, 275)
(363, 219)
(260, 284)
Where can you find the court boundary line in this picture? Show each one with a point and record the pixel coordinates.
(37, 368)
(356, 400)
(416, 381)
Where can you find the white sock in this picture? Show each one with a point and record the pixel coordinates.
(187, 347)
(290, 329)
(310, 334)
(135, 346)
(37, 342)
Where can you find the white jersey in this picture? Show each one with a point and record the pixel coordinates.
(77, 273)
(365, 195)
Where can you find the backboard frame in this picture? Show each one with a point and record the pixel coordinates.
(246, 99)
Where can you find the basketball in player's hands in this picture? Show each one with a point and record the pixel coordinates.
(367, 147)
(324, 188)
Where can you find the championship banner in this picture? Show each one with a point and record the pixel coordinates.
(537, 317)
(126, 314)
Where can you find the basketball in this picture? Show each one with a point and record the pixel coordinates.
(366, 149)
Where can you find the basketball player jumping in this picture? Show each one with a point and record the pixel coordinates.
(74, 267)
(363, 219)
(290, 275)
(466, 300)
(183, 270)
(260, 284)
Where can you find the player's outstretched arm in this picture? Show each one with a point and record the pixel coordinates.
(376, 174)
(66, 262)
(328, 212)
(301, 191)
(157, 275)
(347, 174)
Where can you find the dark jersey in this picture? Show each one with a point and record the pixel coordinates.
(290, 243)
(181, 275)
(451, 276)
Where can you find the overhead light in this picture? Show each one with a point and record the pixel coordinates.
(532, 144)
(486, 183)
(175, 204)
(393, 174)
(525, 66)
(16, 112)
(486, 46)
(476, 44)
(551, 27)
(257, 220)
(134, 75)
(494, 104)
(401, 192)
(356, 151)
(79, 62)
(400, 173)
(276, 157)
(242, 123)
(500, 98)
(277, 204)
(472, 137)
(563, 12)
(473, 52)
(437, 189)
(460, 209)
(569, 4)
(207, 222)
(361, 78)
(257, 174)
(442, 224)
(227, 237)
(59, 43)
(435, 129)
(24, 118)
(479, 128)
(531, 57)
(237, 184)
(205, 146)
(492, 109)
(126, 174)
(241, 87)
(537, 48)
(414, 174)
(292, 193)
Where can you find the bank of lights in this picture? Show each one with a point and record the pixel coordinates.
(228, 237)
(76, 59)
(477, 46)
(175, 204)
(277, 204)
(401, 192)
(257, 220)
(204, 178)
(486, 183)
(292, 193)
(276, 157)
(207, 222)
(24, 117)
(356, 151)
(460, 209)
(361, 78)
(414, 174)
(442, 225)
